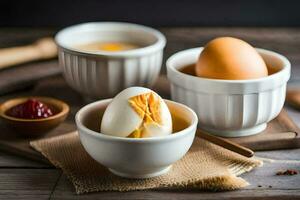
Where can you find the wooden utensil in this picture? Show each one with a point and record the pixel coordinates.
(226, 144)
(44, 48)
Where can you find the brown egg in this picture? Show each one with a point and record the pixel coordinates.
(230, 58)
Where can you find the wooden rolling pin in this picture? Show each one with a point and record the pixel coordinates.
(226, 144)
(44, 48)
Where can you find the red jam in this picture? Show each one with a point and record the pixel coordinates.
(31, 109)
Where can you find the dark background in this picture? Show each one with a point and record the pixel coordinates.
(41, 13)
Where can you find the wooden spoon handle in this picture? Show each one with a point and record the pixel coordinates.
(226, 144)
(44, 48)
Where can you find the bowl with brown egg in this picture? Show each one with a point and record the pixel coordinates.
(100, 59)
(234, 88)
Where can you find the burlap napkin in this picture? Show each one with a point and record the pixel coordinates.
(206, 166)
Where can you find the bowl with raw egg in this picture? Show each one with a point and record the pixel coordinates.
(235, 89)
(136, 134)
(100, 59)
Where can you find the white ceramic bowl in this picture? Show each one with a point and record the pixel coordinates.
(104, 74)
(230, 108)
(131, 157)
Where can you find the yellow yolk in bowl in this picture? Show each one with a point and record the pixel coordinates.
(115, 47)
(107, 46)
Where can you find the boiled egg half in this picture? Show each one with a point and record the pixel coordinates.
(137, 112)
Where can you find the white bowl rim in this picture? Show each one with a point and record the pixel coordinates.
(102, 136)
(286, 66)
(173, 74)
(159, 44)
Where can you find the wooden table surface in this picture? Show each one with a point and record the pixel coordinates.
(25, 179)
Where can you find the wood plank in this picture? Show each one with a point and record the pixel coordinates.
(189, 195)
(22, 36)
(283, 40)
(286, 155)
(30, 73)
(26, 75)
(27, 183)
(13, 161)
(265, 176)
(293, 113)
(283, 187)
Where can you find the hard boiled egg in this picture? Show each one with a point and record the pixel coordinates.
(230, 58)
(137, 112)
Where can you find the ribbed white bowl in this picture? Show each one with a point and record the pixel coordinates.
(230, 108)
(104, 74)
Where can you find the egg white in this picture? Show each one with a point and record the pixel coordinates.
(120, 119)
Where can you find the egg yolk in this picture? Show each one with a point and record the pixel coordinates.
(147, 106)
(107, 46)
(113, 47)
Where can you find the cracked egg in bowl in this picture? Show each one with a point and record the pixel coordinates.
(137, 134)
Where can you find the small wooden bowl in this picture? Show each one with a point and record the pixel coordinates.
(35, 127)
